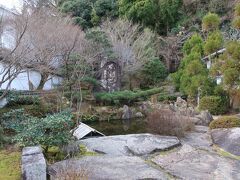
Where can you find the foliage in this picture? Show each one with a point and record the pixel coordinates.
(88, 13)
(14, 98)
(214, 104)
(125, 97)
(166, 122)
(218, 6)
(154, 71)
(166, 97)
(237, 9)
(10, 165)
(192, 74)
(89, 117)
(213, 43)
(193, 45)
(228, 65)
(54, 130)
(225, 122)
(210, 22)
(15, 120)
(236, 20)
(158, 15)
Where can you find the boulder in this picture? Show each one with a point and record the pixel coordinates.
(127, 113)
(192, 163)
(205, 118)
(181, 103)
(109, 167)
(227, 139)
(33, 164)
(132, 144)
(139, 115)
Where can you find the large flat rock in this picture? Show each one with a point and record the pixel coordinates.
(227, 139)
(133, 144)
(108, 167)
(192, 163)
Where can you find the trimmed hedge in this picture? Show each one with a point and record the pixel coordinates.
(225, 122)
(125, 97)
(214, 104)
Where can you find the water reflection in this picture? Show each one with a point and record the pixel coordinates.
(116, 127)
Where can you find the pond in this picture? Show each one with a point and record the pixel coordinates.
(120, 127)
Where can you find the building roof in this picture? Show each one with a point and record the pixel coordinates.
(83, 130)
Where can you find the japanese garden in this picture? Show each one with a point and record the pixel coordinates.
(120, 89)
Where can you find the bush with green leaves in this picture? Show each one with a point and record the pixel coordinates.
(210, 22)
(213, 43)
(54, 130)
(88, 13)
(214, 104)
(154, 71)
(158, 15)
(125, 97)
(14, 99)
(15, 120)
(193, 45)
(225, 122)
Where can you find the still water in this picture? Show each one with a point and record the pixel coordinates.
(120, 127)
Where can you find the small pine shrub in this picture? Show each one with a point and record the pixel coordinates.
(214, 104)
(210, 22)
(237, 10)
(236, 22)
(225, 122)
(125, 97)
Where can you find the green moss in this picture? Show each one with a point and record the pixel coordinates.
(85, 152)
(224, 153)
(10, 165)
(225, 122)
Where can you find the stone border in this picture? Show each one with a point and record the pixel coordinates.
(34, 166)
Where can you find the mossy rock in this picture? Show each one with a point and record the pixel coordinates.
(225, 122)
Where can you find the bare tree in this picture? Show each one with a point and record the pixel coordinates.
(52, 38)
(12, 61)
(132, 45)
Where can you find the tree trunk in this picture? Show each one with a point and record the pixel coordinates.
(44, 78)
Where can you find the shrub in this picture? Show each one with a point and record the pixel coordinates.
(167, 97)
(14, 120)
(236, 22)
(15, 99)
(154, 71)
(210, 22)
(214, 104)
(213, 43)
(225, 122)
(237, 9)
(166, 122)
(54, 130)
(125, 97)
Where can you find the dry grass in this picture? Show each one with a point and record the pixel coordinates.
(70, 171)
(167, 122)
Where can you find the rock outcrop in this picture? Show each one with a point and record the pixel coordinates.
(227, 139)
(133, 144)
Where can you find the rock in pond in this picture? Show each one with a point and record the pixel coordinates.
(132, 144)
(110, 167)
(127, 113)
(227, 139)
